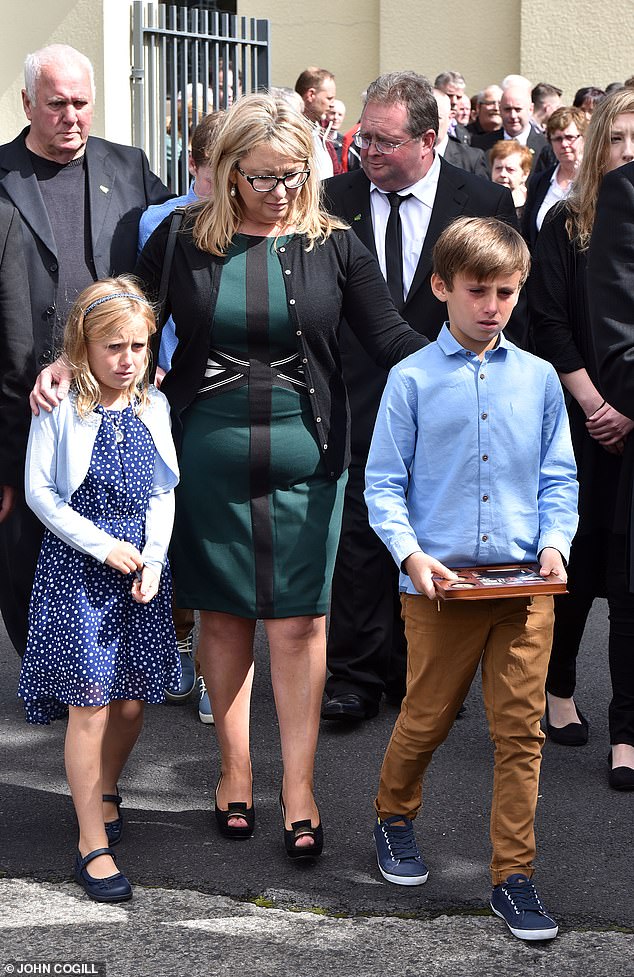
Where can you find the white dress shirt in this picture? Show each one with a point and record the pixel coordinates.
(554, 195)
(415, 213)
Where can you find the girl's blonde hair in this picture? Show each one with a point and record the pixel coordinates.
(582, 202)
(258, 120)
(100, 312)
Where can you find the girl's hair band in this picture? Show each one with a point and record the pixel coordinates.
(116, 295)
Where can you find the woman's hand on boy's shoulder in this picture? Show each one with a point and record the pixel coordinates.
(51, 386)
(552, 562)
(421, 569)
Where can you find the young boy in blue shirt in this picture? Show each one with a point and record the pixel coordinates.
(471, 464)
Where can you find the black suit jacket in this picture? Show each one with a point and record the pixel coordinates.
(538, 185)
(16, 343)
(459, 194)
(611, 302)
(535, 142)
(120, 187)
(467, 158)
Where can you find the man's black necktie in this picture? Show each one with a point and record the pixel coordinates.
(394, 249)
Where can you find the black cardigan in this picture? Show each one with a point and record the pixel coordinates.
(335, 280)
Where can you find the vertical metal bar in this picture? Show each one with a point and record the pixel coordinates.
(215, 62)
(173, 81)
(184, 106)
(208, 94)
(137, 75)
(150, 48)
(162, 84)
(264, 53)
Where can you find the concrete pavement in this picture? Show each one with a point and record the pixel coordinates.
(205, 905)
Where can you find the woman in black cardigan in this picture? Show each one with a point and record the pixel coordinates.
(562, 333)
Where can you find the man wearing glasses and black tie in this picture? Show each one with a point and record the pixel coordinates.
(398, 204)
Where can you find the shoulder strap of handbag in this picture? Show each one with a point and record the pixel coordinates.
(175, 223)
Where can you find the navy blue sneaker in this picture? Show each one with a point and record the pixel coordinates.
(188, 679)
(397, 853)
(517, 903)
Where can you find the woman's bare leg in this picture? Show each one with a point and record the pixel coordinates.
(225, 651)
(122, 731)
(298, 674)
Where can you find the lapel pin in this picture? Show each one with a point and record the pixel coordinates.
(104, 189)
(357, 217)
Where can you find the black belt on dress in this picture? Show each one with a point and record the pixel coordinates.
(226, 372)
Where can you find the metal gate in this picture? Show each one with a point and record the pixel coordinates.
(186, 63)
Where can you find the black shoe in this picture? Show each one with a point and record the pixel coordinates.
(574, 734)
(236, 809)
(621, 778)
(302, 829)
(349, 708)
(114, 829)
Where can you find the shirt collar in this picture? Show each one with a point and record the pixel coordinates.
(522, 136)
(425, 189)
(450, 345)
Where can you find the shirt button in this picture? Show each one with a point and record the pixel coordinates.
(485, 457)
(325, 447)
(318, 419)
(304, 360)
(282, 250)
(312, 390)
(482, 376)
(291, 301)
(299, 332)
(484, 416)
(485, 498)
(484, 539)
(50, 310)
(288, 271)
(54, 266)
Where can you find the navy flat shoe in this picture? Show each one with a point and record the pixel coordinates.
(114, 888)
(114, 829)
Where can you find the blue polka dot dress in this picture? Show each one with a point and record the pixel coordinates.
(89, 641)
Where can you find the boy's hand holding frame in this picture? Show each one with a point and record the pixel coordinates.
(421, 569)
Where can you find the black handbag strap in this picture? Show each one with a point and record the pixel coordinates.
(175, 223)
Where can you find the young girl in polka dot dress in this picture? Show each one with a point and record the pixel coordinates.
(100, 474)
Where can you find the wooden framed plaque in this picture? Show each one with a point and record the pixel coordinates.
(501, 580)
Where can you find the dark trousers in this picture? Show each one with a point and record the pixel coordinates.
(20, 541)
(367, 651)
(571, 612)
(621, 645)
(586, 580)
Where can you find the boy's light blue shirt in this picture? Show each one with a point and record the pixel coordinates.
(472, 461)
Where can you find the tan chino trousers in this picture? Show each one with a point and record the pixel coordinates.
(446, 641)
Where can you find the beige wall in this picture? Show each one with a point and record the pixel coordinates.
(567, 42)
(590, 43)
(98, 28)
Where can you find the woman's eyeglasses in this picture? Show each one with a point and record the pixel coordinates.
(264, 184)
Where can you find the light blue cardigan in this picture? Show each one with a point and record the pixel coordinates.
(57, 461)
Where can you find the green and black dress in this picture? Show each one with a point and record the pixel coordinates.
(257, 517)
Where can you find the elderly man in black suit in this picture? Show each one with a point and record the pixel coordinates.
(398, 204)
(16, 346)
(516, 109)
(79, 199)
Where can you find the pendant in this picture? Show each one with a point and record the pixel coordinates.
(118, 436)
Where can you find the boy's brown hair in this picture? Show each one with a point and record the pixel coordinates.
(482, 247)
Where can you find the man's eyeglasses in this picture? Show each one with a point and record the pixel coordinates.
(558, 140)
(264, 184)
(387, 148)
